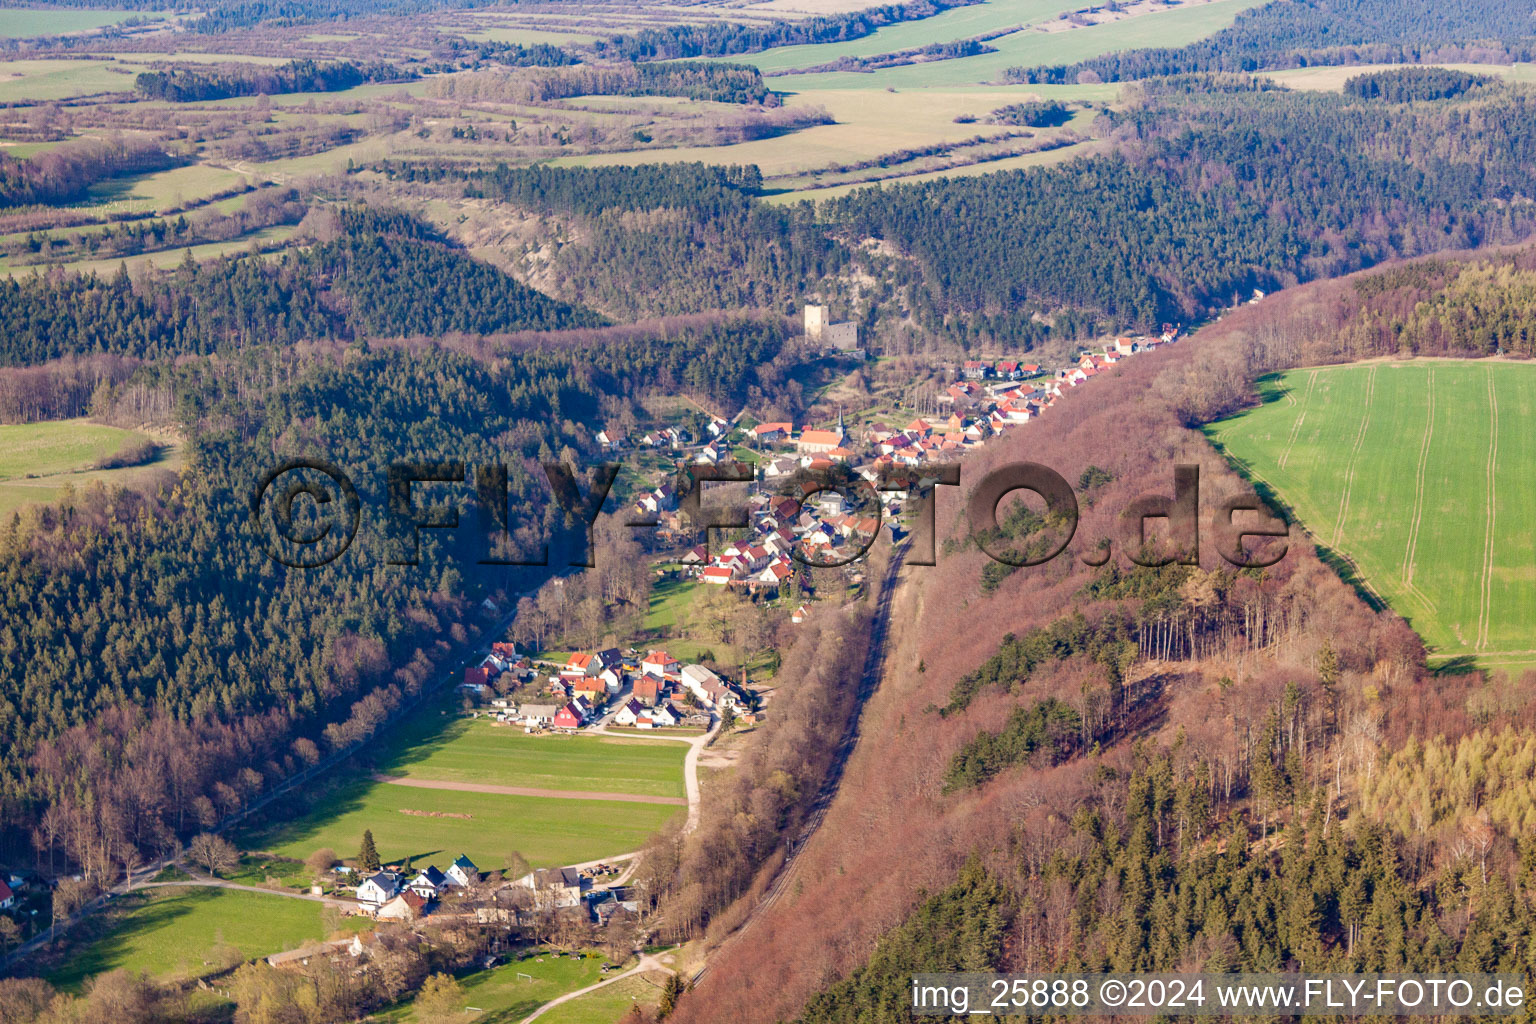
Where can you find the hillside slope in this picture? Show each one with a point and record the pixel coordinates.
(1270, 697)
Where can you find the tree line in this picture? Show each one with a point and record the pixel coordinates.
(203, 84)
(723, 38)
(392, 275)
(66, 171)
(1286, 34)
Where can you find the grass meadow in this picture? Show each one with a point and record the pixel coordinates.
(548, 832)
(37, 460)
(39, 449)
(507, 993)
(476, 751)
(26, 22)
(176, 931)
(953, 24)
(1174, 27)
(1419, 479)
(609, 1004)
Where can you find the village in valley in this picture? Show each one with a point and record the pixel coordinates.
(578, 732)
(795, 522)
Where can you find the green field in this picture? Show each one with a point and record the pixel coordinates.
(1420, 478)
(173, 931)
(37, 460)
(165, 190)
(503, 997)
(486, 826)
(477, 751)
(1174, 27)
(606, 1005)
(953, 24)
(38, 449)
(25, 22)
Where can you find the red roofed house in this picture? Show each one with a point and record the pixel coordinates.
(817, 441)
(476, 676)
(591, 687)
(407, 906)
(717, 574)
(7, 897)
(648, 690)
(582, 664)
(568, 717)
(659, 663)
(771, 431)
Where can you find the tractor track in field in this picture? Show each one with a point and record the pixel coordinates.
(1290, 442)
(1354, 458)
(1410, 556)
(1485, 603)
(553, 794)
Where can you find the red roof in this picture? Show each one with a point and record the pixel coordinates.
(580, 661)
(476, 676)
(5, 891)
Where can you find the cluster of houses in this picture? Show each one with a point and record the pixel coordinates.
(393, 895)
(823, 525)
(388, 895)
(589, 684)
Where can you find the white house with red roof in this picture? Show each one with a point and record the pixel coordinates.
(659, 663)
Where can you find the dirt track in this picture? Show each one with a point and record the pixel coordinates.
(560, 794)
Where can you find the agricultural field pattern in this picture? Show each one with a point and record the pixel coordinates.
(1416, 475)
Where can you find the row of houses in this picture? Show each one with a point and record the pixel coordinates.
(389, 895)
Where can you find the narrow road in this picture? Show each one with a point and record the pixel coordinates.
(874, 668)
(647, 963)
(219, 883)
(690, 761)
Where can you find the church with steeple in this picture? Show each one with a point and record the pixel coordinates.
(815, 442)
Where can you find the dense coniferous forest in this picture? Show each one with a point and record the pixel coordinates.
(380, 274)
(1300, 33)
(590, 191)
(1179, 220)
(248, 657)
(187, 85)
(1405, 85)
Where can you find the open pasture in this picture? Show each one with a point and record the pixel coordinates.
(444, 823)
(868, 124)
(177, 931)
(27, 22)
(1419, 478)
(476, 751)
(1174, 26)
